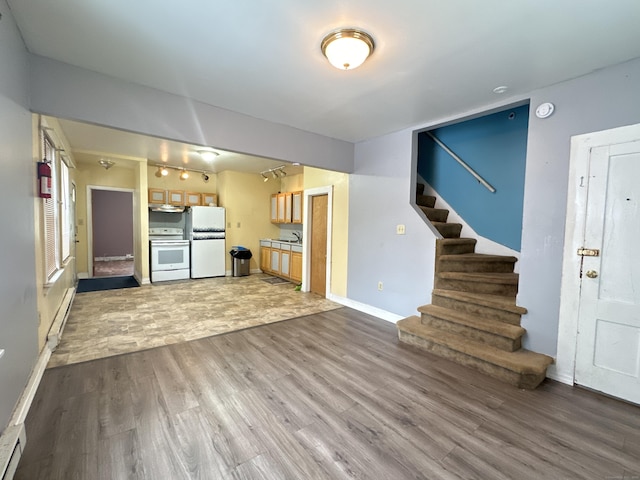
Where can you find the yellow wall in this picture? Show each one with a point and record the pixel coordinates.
(315, 178)
(247, 199)
(49, 296)
(121, 175)
(293, 183)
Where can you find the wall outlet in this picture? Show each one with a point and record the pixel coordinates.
(400, 230)
(238, 225)
(380, 286)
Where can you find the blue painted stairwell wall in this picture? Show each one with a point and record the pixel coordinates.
(495, 146)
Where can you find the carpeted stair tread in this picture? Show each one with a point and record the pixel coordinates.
(435, 214)
(479, 257)
(503, 278)
(419, 188)
(425, 200)
(486, 325)
(521, 362)
(499, 302)
(448, 230)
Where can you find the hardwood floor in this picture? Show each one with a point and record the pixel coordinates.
(327, 396)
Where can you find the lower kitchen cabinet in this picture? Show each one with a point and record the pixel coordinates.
(296, 266)
(265, 259)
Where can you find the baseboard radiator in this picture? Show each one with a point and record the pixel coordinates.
(14, 437)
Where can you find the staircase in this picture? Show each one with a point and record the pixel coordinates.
(473, 318)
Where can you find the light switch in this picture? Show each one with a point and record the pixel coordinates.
(400, 230)
(238, 225)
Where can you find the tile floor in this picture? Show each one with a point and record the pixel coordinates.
(112, 322)
(112, 268)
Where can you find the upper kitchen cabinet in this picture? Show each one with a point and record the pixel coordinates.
(296, 208)
(192, 199)
(157, 196)
(209, 199)
(176, 197)
(286, 207)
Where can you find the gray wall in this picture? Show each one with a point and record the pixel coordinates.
(380, 188)
(65, 91)
(18, 314)
(605, 99)
(112, 218)
(379, 195)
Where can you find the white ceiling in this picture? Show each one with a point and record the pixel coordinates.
(433, 58)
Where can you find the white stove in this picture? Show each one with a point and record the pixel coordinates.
(169, 254)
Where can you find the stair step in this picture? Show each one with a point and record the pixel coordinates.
(521, 368)
(488, 283)
(419, 188)
(475, 262)
(451, 246)
(493, 307)
(425, 200)
(435, 214)
(448, 230)
(497, 334)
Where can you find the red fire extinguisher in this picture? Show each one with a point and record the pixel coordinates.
(44, 180)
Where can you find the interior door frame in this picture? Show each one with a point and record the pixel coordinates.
(575, 225)
(90, 189)
(306, 233)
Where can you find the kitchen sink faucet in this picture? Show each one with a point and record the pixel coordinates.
(298, 236)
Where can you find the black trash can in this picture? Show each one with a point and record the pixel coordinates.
(240, 260)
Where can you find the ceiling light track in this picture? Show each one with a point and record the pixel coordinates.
(163, 171)
(276, 172)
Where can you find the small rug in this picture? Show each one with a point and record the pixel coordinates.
(275, 280)
(105, 283)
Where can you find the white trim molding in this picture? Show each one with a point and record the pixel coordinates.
(364, 308)
(581, 146)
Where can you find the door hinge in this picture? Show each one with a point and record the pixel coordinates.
(588, 252)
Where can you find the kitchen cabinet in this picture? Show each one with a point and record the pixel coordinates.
(275, 261)
(285, 260)
(274, 208)
(296, 264)
(265, 256)
(192, 199)
(286, 207)
(176, 197)
(296, 207)
(282, 208)
(157, 196)
(209, 199)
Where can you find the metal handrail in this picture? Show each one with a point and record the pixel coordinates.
(464, 164)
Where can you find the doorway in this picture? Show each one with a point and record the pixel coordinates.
(316, 271)
(111, 243)
(600, 302)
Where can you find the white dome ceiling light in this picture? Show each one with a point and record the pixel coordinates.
(347, 48)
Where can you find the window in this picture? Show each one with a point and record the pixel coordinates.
(57, 211)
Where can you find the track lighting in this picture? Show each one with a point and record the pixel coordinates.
(163, 171)
(276, 172)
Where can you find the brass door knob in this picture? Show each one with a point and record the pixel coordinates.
(592, 273)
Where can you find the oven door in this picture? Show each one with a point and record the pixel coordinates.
(169, 255)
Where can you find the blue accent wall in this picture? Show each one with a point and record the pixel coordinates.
(495, 146)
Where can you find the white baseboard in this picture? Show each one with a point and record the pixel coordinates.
(363, 307)
(60, 320)
(82, 275)
(563, 377)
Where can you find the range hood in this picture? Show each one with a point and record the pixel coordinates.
(167, 208)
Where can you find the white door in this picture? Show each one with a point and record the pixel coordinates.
(608, 341)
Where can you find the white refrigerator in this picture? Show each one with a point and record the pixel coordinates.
(206, 230)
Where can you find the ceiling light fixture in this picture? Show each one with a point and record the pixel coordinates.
(107, 164)
(205, 177)
(276, 172)
(208, 155)
(184, 175)
(347, 48)
(501, 89)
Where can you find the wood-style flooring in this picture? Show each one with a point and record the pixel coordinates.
(327, 396)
